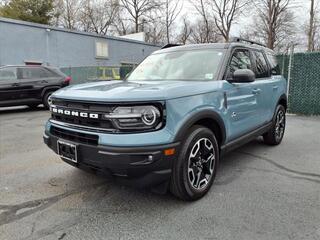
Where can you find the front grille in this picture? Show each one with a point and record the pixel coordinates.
(95, 108)
(98, 123)
(74, 136)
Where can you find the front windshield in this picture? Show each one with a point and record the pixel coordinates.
(200, 64)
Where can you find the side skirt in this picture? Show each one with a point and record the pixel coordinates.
(245, 138)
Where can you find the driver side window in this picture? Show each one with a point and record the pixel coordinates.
(240, 60)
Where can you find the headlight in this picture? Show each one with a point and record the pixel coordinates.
(136, 117)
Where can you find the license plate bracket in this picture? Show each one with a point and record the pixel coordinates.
(67, 151)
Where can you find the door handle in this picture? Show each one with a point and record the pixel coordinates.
(15, 84)
(44, 81)
(275, 88)
(256, 91)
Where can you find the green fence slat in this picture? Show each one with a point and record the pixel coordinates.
(304, 94)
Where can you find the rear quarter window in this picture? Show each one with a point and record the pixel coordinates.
(275, 69)
(51, 73)
(262, 69)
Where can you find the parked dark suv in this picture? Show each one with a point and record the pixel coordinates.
(29, 85)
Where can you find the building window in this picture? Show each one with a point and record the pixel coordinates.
(102, 49)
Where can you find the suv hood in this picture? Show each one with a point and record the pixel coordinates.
(115, 91)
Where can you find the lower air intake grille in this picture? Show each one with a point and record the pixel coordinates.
(74, 136)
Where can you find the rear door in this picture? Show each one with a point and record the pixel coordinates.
(263, 85)
(32, 81)
(9, 84)
(242, 103)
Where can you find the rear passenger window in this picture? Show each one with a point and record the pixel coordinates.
(33, 72)
(240, 60)
(262, 69)
(275, 69)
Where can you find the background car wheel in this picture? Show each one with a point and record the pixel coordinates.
(46, 98)
(195, 169)
(275, 135)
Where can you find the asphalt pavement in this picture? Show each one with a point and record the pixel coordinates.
(260, 192)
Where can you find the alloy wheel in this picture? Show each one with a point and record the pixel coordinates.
(201, 163)
(280, 125)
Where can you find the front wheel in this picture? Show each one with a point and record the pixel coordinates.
(195, 169)
(275, 135)
(46, 99)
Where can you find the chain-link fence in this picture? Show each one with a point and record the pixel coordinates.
(96, 73)
(304, 87)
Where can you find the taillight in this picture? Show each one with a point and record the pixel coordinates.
(67, 80)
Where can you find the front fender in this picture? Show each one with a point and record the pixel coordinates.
(184, 112)
(194, 117)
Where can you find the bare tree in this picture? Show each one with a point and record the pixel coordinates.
(99, 15)
(186, 31)
(313, 27)
(67, 13)
(200, 34)
(203, 27)
(226, 13)
(138, 9)
(122, 24)
(155, 31)
(274, 24)
(276, 19)
(172, 11)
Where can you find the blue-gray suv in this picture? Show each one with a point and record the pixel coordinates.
(168, 123)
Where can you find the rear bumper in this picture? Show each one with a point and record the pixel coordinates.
(138, 166)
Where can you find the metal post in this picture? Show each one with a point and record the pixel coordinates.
(290, 69)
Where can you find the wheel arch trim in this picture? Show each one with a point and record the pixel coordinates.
(283, 97)
(51, 88)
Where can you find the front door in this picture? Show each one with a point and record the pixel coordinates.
(9, 85)
(243, 99)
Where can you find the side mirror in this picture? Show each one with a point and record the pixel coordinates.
(243, 76)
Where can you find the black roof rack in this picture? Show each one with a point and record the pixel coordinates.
(169, 45)
(246, 41)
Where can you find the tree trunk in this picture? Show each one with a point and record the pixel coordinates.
(136, 21)
(311, 29)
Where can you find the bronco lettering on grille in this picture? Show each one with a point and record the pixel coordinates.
(75, 113)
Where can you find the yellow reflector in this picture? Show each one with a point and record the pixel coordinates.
(169, 152)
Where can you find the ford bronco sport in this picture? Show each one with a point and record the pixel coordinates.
(167, 125)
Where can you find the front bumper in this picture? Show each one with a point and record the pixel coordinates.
(138, 166)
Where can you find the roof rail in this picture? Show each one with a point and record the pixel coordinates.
(236, 39)
(169, 45)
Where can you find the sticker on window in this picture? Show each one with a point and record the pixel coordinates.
(208, 76)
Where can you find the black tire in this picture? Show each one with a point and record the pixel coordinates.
(185, 183)
(33, 106)
(275, 135)
(45, 99)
